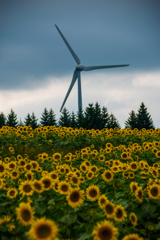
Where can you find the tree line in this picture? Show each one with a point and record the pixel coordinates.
(92, 117)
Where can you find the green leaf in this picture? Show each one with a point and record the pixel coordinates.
(41, 208)
(68, 219)
(85, 236)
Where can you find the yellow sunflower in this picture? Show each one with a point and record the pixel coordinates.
(25, 214)
(89, 175)
(75, 197)
(105, 231)
(12, 193)
(139, 194)
(1, 183)
(56, 157)
(14, 174)
(102, 200)
(154, 191)
(109, 209)
(64, 187)
(133, 186)
(133, 218)
(54, 175)
(26, 188)
(134, 166)
(74, 180)
(120, 213)
(43, 229)
(2, 168)
(47, 182)
(133, 236)
(38, 186)
(107, 176)
(92, 193)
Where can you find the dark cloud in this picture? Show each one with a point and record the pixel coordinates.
(100, 32)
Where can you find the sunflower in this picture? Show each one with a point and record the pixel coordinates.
(133, 236)
(25, 214)
(74, 180)
(105, 231)
(29, 175)
(64, 187)
(101, 158)
(154, 173)
(54, 175)
(134, 166)
(139, 194)
(56, 157)
(90, 175)
(107, 176)
(92, 193)
(55, 185)
(133, 218)
(120, 213)
(34, 164)
(28, 167)
(109, 209)
(38, 186)
(124, 155)
(14, 174)
(47, 182)
(43, 229)
(12, 193)
(75, 197)
(154, 191)
(26, 188)
(158, 154)
(2, 168)
(102, 200)
(1, 183)
(83, 168)
(133, 186)
(11, 165)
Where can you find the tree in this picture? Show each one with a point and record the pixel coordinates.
(2, 120)
(12, 119)
(20, 123)
(28, 120)
(73, 120)
(104, 118)
(144, 119)
(89, 115)
(45, 118)
(51, 118)
(64, 119)
(34, 120)
(131, 121)
(97, 117)
(113, 122)
(80, 119)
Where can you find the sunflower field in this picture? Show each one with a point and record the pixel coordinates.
(65, 183)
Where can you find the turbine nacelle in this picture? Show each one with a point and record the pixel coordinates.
(80, 67)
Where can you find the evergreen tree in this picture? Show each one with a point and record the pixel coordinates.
(97, 124)
(131, 121)
(20, 123)
(144, 119)
(45, 118)
(104, 118)
(64, 119)
(51, 118)
(113, 122)
(80, 119)
(2, 120)
(34, 120)
(12, 119)
(73, 120)
(89, 115)
(28, 120)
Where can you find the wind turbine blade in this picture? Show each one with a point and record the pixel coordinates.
(69, 47)
(75, 75)
(89, 68)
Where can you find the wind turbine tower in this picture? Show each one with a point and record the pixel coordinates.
(77, 73)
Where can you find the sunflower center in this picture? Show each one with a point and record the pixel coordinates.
(1, 168)
(108, 175)
(37, 186)
(154, 191)
(74, 179)
(93, 193)
(27, 188)
(26, 215)
(119, 213)
(105, 234)
(75, 197)
(109, 209)
(12, 193)
(46, 183)
(14, 174)
(43, 231)
(64, 188)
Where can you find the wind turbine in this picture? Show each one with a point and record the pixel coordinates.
(77, 72)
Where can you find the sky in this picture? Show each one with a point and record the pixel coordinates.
(36, 67)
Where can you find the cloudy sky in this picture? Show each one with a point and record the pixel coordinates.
(36, 67)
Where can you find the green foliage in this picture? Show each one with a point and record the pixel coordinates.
(65, 120)
(131, 121)
(113, 122)
(2, 120)
(12, 119)
(45, 117)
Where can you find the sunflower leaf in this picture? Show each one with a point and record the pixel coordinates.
(41, 208)
(85, 236)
